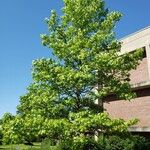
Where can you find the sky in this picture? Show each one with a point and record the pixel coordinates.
(22, 22)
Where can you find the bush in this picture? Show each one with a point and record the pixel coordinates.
(114, 142)
(79, 144)
(46, 144)
(141, 143)
(124, 143)
(118, 143)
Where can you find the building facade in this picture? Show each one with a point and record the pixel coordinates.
(140, 80)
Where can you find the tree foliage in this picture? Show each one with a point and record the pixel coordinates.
(61, 103)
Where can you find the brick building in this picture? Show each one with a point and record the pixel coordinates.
(140, 81)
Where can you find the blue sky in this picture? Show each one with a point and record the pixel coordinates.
(22, 22)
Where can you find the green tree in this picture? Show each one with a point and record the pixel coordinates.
(86, 68)
(1, 134)
(6, 125)
(87, 65)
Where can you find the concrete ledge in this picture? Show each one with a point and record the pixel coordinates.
(139, 129)
(140, 85)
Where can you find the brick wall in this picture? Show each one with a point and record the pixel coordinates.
(137, 108)
(141, 73)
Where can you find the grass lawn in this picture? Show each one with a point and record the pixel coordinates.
(20, 147)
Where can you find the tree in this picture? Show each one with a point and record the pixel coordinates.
(86, 67)
(1, 134)
(87, 55)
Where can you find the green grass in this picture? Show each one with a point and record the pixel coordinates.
(36, 146)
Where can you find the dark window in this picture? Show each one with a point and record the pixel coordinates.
(144, 53)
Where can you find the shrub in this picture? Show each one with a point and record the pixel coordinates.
(129, 142)
(118, 143)
(113, 142)
(46, 144)
(141, 143)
